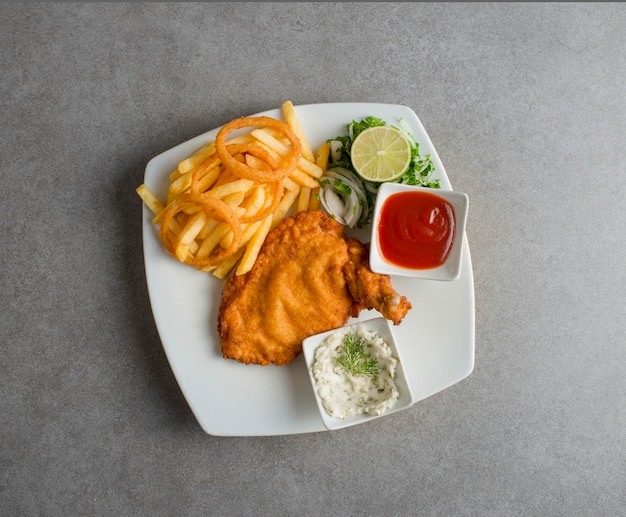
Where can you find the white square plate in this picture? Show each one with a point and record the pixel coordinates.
(232, 399)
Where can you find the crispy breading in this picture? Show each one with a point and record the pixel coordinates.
(371, 290)
(302, 283)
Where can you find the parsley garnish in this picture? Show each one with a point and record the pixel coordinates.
(342, 188)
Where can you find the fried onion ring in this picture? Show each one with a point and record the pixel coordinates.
(243, 170)
(213, 208)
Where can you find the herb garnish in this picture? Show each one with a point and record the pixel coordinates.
(355, 359)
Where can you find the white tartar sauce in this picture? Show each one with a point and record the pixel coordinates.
(344, 394)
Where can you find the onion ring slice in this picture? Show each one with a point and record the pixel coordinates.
(243, 170)
(213, 208)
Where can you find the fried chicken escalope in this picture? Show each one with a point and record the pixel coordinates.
(308, 278)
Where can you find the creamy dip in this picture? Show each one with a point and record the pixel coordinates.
(344, 393)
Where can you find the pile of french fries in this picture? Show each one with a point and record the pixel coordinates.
(210, 209)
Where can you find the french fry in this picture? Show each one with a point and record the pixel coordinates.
(227, 265)
(240, 185)
(323, 155)
(209, 177)
(225, 176)
(197, 158)
(285, 204)
(304, 165)
(235, 199)
(232, 200)
(249, 232)
(207, 229)
(178, 186)
(189, 233)
(314, 202)
(176, 229)
(290, 184)
(311, 168)
(321, 160)
(252, 206)
(303, 179)
(175, 174)
(264, 136)
(206, 151)
(227, 240)
(255, 201)
(194, 233)
(212, 240)
(254, 246)
(255, 162)
(151, 201)
(304, 199)
(289, 112)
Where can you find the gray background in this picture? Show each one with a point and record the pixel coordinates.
(526, 105)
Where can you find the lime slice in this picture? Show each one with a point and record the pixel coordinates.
(380, 153)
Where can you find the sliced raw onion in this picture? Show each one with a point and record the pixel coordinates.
(333, 204)
(346, 209)
(335, 150)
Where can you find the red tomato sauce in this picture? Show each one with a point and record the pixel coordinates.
(416, 230)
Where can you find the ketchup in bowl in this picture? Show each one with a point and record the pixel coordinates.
(416, 229)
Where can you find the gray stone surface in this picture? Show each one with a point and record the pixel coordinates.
(526, 105)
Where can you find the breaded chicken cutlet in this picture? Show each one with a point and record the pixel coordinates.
(308, 278)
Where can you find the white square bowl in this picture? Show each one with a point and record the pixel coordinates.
(451, 268)
(384, 329)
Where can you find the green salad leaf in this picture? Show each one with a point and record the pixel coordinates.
(419, 172)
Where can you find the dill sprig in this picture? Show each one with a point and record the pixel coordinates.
(355, 359)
